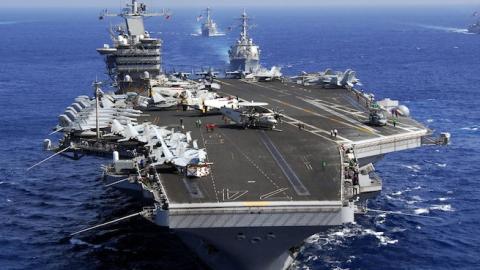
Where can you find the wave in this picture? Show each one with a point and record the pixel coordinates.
(446, 29)
(472, 128)
(78, 242)
(414, 199)
(414, 168)
(421, 211)
(438, 207)
(442, 207)
(338, 237)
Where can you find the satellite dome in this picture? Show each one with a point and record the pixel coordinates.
(403, 110)
(127, 78)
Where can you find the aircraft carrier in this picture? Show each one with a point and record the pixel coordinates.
(250, 194)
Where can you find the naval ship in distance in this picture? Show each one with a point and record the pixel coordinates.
(209, 26)
(244, 55)
(243, 171)
(474, 28)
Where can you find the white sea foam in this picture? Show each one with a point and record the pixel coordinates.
(429, 120)
(421, 211)
(398, 229)
(417, 198)
(415, 168)
(445, 29)
(384, 240)
(442, 199)
(441, 165)
(442, 207)
(78, 242)
(472, 128)
(397, 193)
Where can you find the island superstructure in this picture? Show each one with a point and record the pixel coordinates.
(245, 173)
(244, 55)
(135, 56)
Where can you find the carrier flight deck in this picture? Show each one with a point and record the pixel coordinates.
(299, 160)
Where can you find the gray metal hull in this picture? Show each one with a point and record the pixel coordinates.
(474, 29)
(246, 65)
(133, 189)
(252, 248)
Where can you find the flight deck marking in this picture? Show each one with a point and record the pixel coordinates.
(212, 177)
(287, 170)
(252, 162)
(314, 130)
(294, 122)
(273, 193)
(353, 122)
(339, 107)
(307, 163)
(233, 195)
(317, 114)
(364, 129)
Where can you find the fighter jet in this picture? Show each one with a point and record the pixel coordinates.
(209, 74)
(263, 74)
(328, 78)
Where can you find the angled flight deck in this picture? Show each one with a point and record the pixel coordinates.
(285, 164)
(254, 164)
(319, 109)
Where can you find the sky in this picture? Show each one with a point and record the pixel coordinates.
(242, 3)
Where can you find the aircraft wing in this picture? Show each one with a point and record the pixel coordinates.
(181, 162)
(166, 152)
(252, 104)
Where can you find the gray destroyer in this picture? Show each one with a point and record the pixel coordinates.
(209, 26)
(475, 27)
(244, 55)
(243, 183)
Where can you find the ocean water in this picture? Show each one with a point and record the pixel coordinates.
(423, 57)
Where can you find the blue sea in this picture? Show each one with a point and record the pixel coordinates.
(421, 56)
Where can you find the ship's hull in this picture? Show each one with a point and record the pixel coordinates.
(128, 187)
(257, 248)
(245, 65)
(209, 32)
(474, 29)
(236, 236)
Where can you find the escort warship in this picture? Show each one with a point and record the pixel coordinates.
(474, 28)
(209, 27)
(244, 55)
(242, 170)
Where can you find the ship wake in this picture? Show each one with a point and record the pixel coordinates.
(445, 29)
